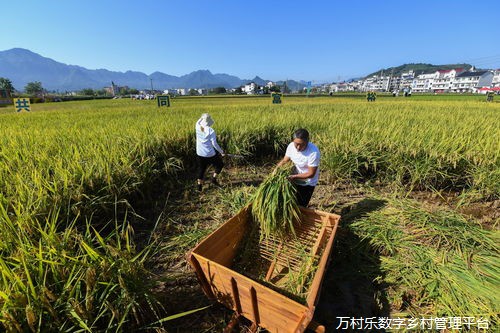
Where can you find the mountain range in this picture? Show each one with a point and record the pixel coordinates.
(21, 66)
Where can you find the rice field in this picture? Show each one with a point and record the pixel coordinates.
(69, 173)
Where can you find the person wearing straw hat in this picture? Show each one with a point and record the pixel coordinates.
(305, 157)
(208, 150)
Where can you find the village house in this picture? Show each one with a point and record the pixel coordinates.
(472, 80)
(496, 79)
(249, 88)
(270, 84)
(405, 80)
(424, 82)
(445, 78)
(342, 87)
(453, 80)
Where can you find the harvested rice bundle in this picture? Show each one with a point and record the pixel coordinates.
(274, 205)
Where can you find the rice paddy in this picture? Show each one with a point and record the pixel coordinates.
(70, 172)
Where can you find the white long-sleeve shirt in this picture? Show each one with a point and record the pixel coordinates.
(206, 141)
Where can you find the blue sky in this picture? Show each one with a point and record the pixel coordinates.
(306, 40)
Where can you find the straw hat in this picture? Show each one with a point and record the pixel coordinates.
(206, 120)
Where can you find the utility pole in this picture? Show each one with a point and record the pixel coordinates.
(151, 85)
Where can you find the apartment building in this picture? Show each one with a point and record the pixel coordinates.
(496, 78)
(472, 80)
(423, 82)
(444, 79)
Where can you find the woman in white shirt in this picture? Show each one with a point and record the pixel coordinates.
(207, 149)
(305, 157)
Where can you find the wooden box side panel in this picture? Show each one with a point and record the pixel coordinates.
(221, 246)
(261, 305)
(331, 221)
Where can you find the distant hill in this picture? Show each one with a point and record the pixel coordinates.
(417, 68)
(22, 66)
(293, 85)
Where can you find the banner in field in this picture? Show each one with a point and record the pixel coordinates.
(22, 104)
(163, 100)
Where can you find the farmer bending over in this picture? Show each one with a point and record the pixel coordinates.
(305, 157)
(206, 146)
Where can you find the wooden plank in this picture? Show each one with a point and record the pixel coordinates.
(205, 286)
(313, 296)
(277, 313)
(236, 296)
(273, 263)
(319, 241)
(305, 320)
(222, 244)
(314, 250)
(255, 306)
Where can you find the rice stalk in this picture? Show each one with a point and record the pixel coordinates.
(274, 206)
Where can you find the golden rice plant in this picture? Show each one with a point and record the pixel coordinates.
(72, 159)
(448, 265)
(274, 205)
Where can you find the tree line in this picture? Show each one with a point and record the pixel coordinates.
(36, 89)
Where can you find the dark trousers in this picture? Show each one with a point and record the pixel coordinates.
(204, 162)
(304, 194)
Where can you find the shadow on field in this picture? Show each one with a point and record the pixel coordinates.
(350, 288)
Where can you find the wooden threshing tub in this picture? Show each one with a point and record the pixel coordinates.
(260, 302)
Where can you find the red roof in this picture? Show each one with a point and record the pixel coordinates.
(489, 89)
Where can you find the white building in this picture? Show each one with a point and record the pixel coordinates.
(250, 88)
(444, 80)
(472, 80)
(342, 87)
(454, 80)
(406, 80)
(376, 83)
(496, 78)
(424, 82)
(171, 92)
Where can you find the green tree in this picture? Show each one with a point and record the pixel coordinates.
(101, 92)
(275, 89)
(134, 91)
(33, 88)
(286, 89)
(238, 91)
(219, 90)
(124, 91)
(87, 92)
(6, 84)
(193, 92)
